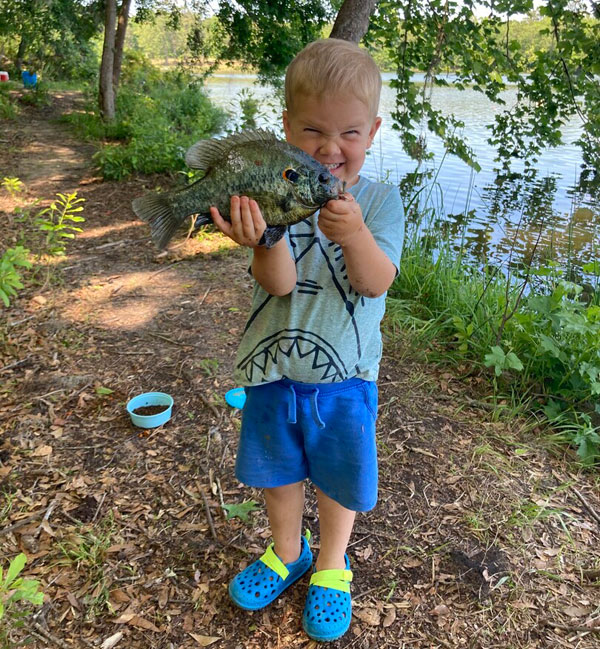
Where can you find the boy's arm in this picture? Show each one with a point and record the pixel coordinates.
(370, 271)
(273, 268)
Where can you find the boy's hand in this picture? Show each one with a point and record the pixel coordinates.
(247, 224)
(340, 220)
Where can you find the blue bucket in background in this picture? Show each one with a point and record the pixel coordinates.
(29, 79)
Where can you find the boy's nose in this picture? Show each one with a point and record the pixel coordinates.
(328, 146)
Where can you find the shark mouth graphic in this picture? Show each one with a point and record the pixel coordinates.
(326, 363)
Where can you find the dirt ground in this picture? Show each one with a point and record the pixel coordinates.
(484, 534)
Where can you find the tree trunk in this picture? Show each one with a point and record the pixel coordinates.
(106, 96)
(120, 42)
(352, 20)
(20, 54)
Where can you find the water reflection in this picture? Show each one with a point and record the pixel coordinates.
(499, 218)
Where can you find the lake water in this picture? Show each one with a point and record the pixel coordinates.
(494, 221)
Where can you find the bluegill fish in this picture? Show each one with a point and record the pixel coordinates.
(287, 183)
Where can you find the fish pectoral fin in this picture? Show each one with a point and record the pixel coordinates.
(272, 235)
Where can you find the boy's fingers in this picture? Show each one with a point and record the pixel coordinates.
(247, 219)
(257, 218)
(236, 218)
(219, 221)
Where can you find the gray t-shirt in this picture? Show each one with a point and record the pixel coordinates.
(323, 331)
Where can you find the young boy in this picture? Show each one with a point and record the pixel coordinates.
(310, 353)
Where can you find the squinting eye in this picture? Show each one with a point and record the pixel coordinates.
(291, 175)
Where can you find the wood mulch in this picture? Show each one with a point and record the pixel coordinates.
(484, 534)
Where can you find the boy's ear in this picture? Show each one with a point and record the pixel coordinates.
(374, 128)
(286, 124)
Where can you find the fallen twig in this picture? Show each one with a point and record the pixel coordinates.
(99, 506)
(47, 515)
(15, 364)
(576, 628)
(162, 270)
(169, 340)
(211, 406)
(40, 632)
(209, 517)
(22, 523)
(591, 511)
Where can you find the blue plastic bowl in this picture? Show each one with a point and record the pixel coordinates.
(150, 399)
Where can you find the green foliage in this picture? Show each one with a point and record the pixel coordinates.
(51, 37)
(10, 276)
(58, 220)
(266, 34)
(37, 96)
(13, 186)
(501, 361)
(8, 108)
(542, 343)
(159, 116)
(554, 74)
(241, 510)
(15, 591)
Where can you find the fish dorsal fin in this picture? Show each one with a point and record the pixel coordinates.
(206, 153)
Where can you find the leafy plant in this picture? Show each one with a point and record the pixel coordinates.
(15, 589)
(502, 361)
(209, 366)
(10, 278)
(13, 186)
(59, 222)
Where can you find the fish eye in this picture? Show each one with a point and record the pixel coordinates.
(291, 175)
(324, 178)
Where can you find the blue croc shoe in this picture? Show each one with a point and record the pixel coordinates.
(264, 580)
(328, 608)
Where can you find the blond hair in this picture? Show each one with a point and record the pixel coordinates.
(337, 66)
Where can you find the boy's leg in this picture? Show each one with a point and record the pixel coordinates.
(284, 507)
(335, 524)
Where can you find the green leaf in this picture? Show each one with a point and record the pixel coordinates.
(513, 362)
(495, 359)
(100, 390)
(15, 567)
(548, 345)
(241, 510)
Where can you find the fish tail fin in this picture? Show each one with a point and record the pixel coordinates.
(157, 211)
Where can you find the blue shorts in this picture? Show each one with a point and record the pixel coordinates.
(322, 431)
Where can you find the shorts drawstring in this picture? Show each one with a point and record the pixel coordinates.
(314, 406)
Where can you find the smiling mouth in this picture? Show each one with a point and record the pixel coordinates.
(333, 166)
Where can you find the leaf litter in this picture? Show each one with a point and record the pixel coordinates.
(479, 538)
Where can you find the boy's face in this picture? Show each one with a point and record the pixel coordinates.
(336, 130)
